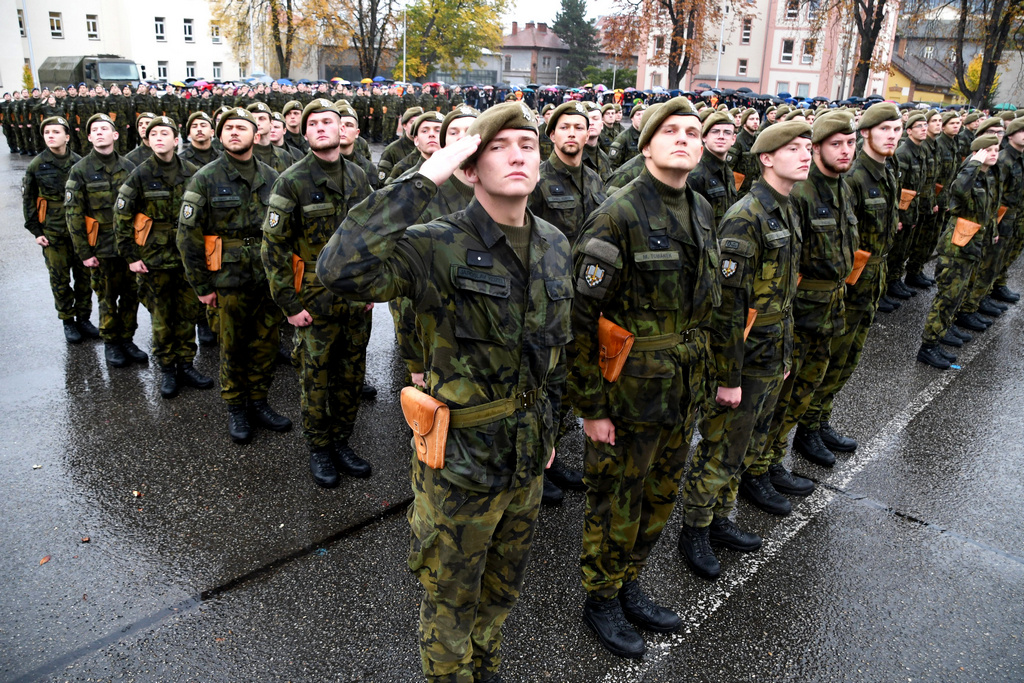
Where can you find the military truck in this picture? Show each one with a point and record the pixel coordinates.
(88, 69)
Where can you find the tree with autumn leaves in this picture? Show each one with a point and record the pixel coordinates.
(449, 35)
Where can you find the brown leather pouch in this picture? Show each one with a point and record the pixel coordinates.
(614, 344)
(214, 251)
(428, 419)
(963, 231)
(738, 178)
(92, 231)
(860, 260)
(751, 317)
(41, 207)
(142, 224)
(938, 189)
(999, 214)
(906, 196)
(299, 268)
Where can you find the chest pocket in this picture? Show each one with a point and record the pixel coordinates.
(824, 235)
(98, 191)
(50, 182)
(775, 239)
(874, 202)
(659, 268)
(558, 318)
(715, 188)
(225, 197)
(481, 305)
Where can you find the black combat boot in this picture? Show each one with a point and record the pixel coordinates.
(991, 308)
(918, 280)
(695, 546)
(168, 381)
(724, 533)
(368, 392)
(759, 491)
(72, 335)
(948, 355)
(350, 463)
(565, 477)
(321, 466)
(114, 355)
(885, 305)
(191, 377)
(810, 445)
(88, 330)
(895, 291)
(952, 340)
(552, 495)
(906, 290)
(606, 619)
(964, 336)
(238, 424)
(836, 442)
(1005, 294)
(788, 483)
(969, 321)
(641, 611)
(133, 352)
(268, 417)
(929, 354)
(205, 335)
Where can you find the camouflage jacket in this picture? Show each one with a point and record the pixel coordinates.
(625, 173)
(927, 199)
(274, 157)
(829, 229)
(296, 140)
(947, 163)
(565, 197)
(597, 161)
(91, 190)
(45, 178)
(1011, 173)
(975, 196)
(640, 265)
(366, 165)
(393, 153)
(712, 179)
(876, 204)
(139, 154)
(605, 140)
(412, 162)
(492, 329)
(154, 189)
(743, 161)
(220, 202)
(624, 147)
(913, 174)
(760, 241)
(306, 206)
(199, 157)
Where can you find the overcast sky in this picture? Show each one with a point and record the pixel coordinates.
(545, 10)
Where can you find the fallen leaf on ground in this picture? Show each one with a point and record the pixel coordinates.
(44, 560)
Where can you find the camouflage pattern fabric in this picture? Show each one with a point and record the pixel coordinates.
(566, 196)
(712, 179)
(624, 147)
(597, 161)
(392, 154)
(913, 166)
(1011, 229)
(926, 232)
(624, 174)
(743, 161)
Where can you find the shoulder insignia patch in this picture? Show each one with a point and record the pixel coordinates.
(120, 203)
(593, 274)
(382, 175)
(186, 211)
(273, 218)
(728, 267)
(67, 197)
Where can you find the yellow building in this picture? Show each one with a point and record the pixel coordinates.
(913, 79)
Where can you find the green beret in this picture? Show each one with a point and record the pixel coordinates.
(640, 106)
(618, 107)
(796, 113)
(722, 107)
(426, 117)
(879, 113)
(458, 112)
(291, 104)
(223, 109)
(746, 115)
(700, 106)
(715, 119)
(608, 107)
(677, 106)
(55, 121)
(547, 107)
(734, 111)
(770, 109)
(198, 116)
(914, 118)
(165, 121)
(259, 107)
(567, 109)
(1008, 116)
(990, 122)
(949, 116)
(277, 116)
(972, 117)
(1015, 125)
(145, 115)
(651, 111)
(782, 111)
(931, 113)
(705, 112)
(410, 114)
(591, 106)
(102, 118)
(508, 115)
(780, 134)
(315, 106)
(821, 110)
(235, 113)
(1018, 114)
(984, 142)
(830, 123)
(345, 109)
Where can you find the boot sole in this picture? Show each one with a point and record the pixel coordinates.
(614, 650)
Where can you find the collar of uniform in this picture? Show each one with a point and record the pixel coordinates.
(257, 180)
(320, 176)
(575, 173)
(763, 193)
(821, 185)
(876, 169)
(746, 136)
(490, 233)
(713, 163)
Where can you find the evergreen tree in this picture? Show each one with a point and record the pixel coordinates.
(580, 35)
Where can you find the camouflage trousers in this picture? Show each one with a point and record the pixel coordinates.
(924, 239)
(732, 439)
(984, 275)
(390, 126)
(12, 142)
(1013, 250)
(811, 355)
(172, 305)
(118, 296)
(331, 354)
(897, 259)
(71, 299)
(247, 322)
(953, 277)
(469, 550)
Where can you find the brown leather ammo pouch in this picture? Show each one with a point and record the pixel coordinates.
(963, 231)
(142, 224)
(299, 269)
(614, 344)
(92, 231)
(860, 260)
(906, 197)
(428, 419)
(41, 206)
(738, 178)
(214, 251)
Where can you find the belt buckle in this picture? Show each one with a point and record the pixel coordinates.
(248, 241)
(528, 398)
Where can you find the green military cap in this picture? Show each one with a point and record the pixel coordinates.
(699, 107)
(315, 106)
(342, 101)
(277, 116)
(796, 113)
(722, 107)
(651, 111)
(224, 109)
(547, 107)
(984, 142)
(101, 118)
(746, 115)
(677, 106)
(1018, 114)
(782, 110)
(55, 121)
(734, 111)
(259, 107)
(235, 113)
(1008, 116)
(618, 107)
(608, 107)
(990, 122)
(146, 115)
(345, 109)
(705, 112)
(931, 113)
(879, 113)
(773, 137)
(291, 104)
(972, 117)
(460, 112)
(639, 106)
(830, 123)
(165, 121)
(575, 108)
(716, 118)
(915, 117)
(410, 114)
(198, 116)
(425, 117)
(1014, 126)
(770, 109)
(508, 115)
(821, 110)
(590, 106)
(949, 116)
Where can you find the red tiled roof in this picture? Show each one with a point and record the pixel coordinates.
(533, 38)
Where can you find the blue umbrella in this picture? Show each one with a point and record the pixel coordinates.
(784, 95)
(284, 81)
(417, 85)
(378, 79)
(304, 80)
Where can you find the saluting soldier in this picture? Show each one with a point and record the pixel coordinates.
(1011, 167)
(426, 137)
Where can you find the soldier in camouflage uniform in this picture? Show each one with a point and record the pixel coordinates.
(545, 142)
(228, 199)
(823, 205)
(607, 136)
(120, 110)
(974, 196)
(927, 229)
(400, 148)
(142, 152)
(712, 179)
(44, 180)
(376, 115)
(494, 335)
(1011, 167)
(426, 137)
(912, 159)
(624, 147)
(760, 240)
(6, 116)
(90, 192)
(292, 113)
(390, 105)
(647, 260)
(875, 197)
(199, 150)
(593, 157)
(307, 203)
(154, 190)
(263, 150)
(84, 109)
(740, 157)
(349, 140)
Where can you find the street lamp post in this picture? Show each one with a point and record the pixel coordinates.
(405, 23)
(556, 74)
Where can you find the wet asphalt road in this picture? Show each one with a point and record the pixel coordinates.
(906, 565)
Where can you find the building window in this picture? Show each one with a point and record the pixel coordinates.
(161, 69)
(808, 56)
(741, 70)
(783, 87)
(792, 9)
(812, 11)
(92, 26)
(803, 89)
(142, 71)
(21, 23)
(56, 25)
(656, 81)
(787, 52)
(190, 69)
(188, 30)
(216, 70)
(158, 26)
(546, 61)
(659, 43)
(241, 69)
(748, 25)
(215, 33)
(508, 62)
(929, 51)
